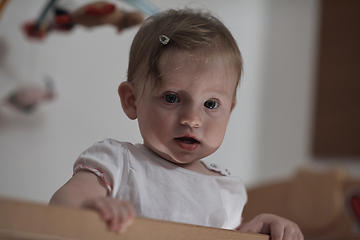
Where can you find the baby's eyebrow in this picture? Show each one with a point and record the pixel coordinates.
(220, 91)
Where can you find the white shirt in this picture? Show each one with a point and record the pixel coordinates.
(162, 190)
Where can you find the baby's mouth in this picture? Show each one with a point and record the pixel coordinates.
(187, 143)
(187, 140)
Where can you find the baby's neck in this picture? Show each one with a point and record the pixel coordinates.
(199, 167)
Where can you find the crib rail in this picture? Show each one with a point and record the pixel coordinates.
(20, 220)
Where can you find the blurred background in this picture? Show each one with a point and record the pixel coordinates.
(270, 133)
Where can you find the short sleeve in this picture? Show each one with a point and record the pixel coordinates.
(107, 160)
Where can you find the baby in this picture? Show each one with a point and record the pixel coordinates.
(184, 69)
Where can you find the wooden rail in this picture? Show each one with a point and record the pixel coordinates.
(21, 220)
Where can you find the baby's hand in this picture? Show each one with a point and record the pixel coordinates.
(117, 213)
(279, 228)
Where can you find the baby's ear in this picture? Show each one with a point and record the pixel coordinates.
(128, 98)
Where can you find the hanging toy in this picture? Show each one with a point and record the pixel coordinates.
(57, 17)
(39, 28)
(26, 98)
(104, 13)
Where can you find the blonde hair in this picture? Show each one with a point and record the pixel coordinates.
(189, 30)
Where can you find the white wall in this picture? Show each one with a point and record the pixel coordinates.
(289, 79)
(269, 131)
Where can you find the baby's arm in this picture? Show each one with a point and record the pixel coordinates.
(279, 228)
(86, 190)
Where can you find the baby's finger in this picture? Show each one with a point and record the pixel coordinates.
(116, 220)
(129, 214)
(251, 229)
(277, 232)
(101, 206)
(123, 217)
(130, 209)
(255, 226)
(289, 234)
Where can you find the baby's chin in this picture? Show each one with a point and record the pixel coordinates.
(181, 159)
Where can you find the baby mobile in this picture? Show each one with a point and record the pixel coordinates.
(63, 16)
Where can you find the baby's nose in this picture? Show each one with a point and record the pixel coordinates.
(192, 119)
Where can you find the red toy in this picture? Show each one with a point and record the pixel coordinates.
(93, 14)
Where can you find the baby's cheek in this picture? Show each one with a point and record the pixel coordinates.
(155, 132)
(215, 135)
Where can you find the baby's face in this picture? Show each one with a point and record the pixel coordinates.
(185, 119)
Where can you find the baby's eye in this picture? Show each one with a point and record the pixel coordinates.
(211, 104)
(171, 98)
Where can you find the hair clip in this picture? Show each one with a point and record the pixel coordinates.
(164, 39)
